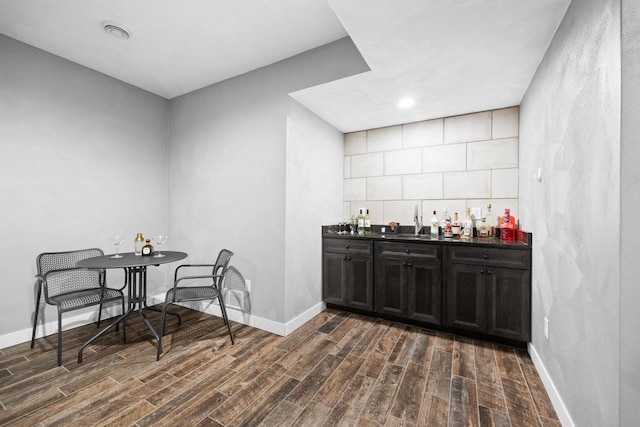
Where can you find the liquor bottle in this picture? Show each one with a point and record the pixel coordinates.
(138, 243)
(353, 224)
(491, 222)
(447, 231)
(435, 228)
(507, 226)
(367, 223)
(456, 227)
(483, 229)
(361, 222)
(443, 221)
(147, 249)
(467, 231)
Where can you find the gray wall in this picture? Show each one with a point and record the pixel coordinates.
(570, 127)
(313, 198)
(82, 155)
(630, 206)
(228, 170)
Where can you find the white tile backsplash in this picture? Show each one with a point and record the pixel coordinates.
(355, 189)
(402, 162)
(470, 127)
(495, 154)
(384, 188)
(453, 162)
(423, 186)
(422, 134)
(384, 139)
(355, 143)
(505, 123)
(444, 158)
(466, 185)
(504, 183)
(363, 165)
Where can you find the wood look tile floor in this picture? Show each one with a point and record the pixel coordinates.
(339, 369)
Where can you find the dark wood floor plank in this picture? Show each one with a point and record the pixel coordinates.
(463, 406)
(464, 363)
(309, 386)
(265, 403)
(383, 393)
(333, 387)
(406, 405)
(538, 392)
(339, 369)
(283, 415)
(490, 393)
(520, 405)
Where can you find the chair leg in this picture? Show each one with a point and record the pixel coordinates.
(224, 316)
(59, 338)
(124, 324)
(99, 315)
(35, 317)
(161, 334)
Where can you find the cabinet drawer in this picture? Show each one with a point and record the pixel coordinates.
(346, 246)
(510, 258)
(414, 250)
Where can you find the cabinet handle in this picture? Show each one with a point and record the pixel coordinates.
(481, 271)
(346, 247)
(345, 258)
(404, 264)
(349, 258)
(410, 266)
(407, 251)
(485, 256)
(488, 271)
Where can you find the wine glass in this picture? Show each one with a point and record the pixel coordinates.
(116, 239)
(160, 239)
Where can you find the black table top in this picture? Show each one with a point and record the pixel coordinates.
(129, 259)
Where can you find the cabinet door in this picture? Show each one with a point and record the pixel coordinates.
(466, 297)
(358, 282)
(509, 303)
(333, 279)
(391, 286)
(424, 291)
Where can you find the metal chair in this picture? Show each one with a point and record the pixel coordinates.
(71, 288)
(198, 293)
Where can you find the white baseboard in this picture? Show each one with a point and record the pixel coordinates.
(554, 396)
(74, 321)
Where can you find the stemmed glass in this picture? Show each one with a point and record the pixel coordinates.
(160, 239)
(116, 239)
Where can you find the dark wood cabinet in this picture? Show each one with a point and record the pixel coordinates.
(347, 273)
(408, 281)
(484, 296)
(477, 287)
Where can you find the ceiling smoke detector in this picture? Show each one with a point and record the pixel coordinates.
(116, 30)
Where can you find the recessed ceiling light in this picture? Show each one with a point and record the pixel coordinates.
(115, 29)
(406, 103)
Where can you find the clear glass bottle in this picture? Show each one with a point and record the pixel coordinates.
(443, 221)
(435, 228)
(467, 230)
(361, 222)
(138, 243)
(491, 222)
(353, 224)
(447, 231)
(483, 229)
(367, 222)
(456, 227)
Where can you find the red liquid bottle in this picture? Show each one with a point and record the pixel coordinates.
(507, 226)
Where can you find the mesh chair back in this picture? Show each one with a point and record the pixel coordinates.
(61, 260)
(61, 282)
(222, 262)
(235, 290)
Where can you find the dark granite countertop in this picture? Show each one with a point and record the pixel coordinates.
(524, 241)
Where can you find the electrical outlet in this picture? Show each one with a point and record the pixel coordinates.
(546, 327)
(477, 213)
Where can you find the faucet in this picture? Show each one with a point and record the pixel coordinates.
(418, 222)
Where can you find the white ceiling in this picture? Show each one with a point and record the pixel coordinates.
(452, 57)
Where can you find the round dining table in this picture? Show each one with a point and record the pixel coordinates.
(136, 282)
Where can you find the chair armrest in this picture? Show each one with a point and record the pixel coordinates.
(204, 276)
(175, 276)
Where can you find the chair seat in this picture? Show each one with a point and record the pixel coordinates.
(85, 298)
(192, 293)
